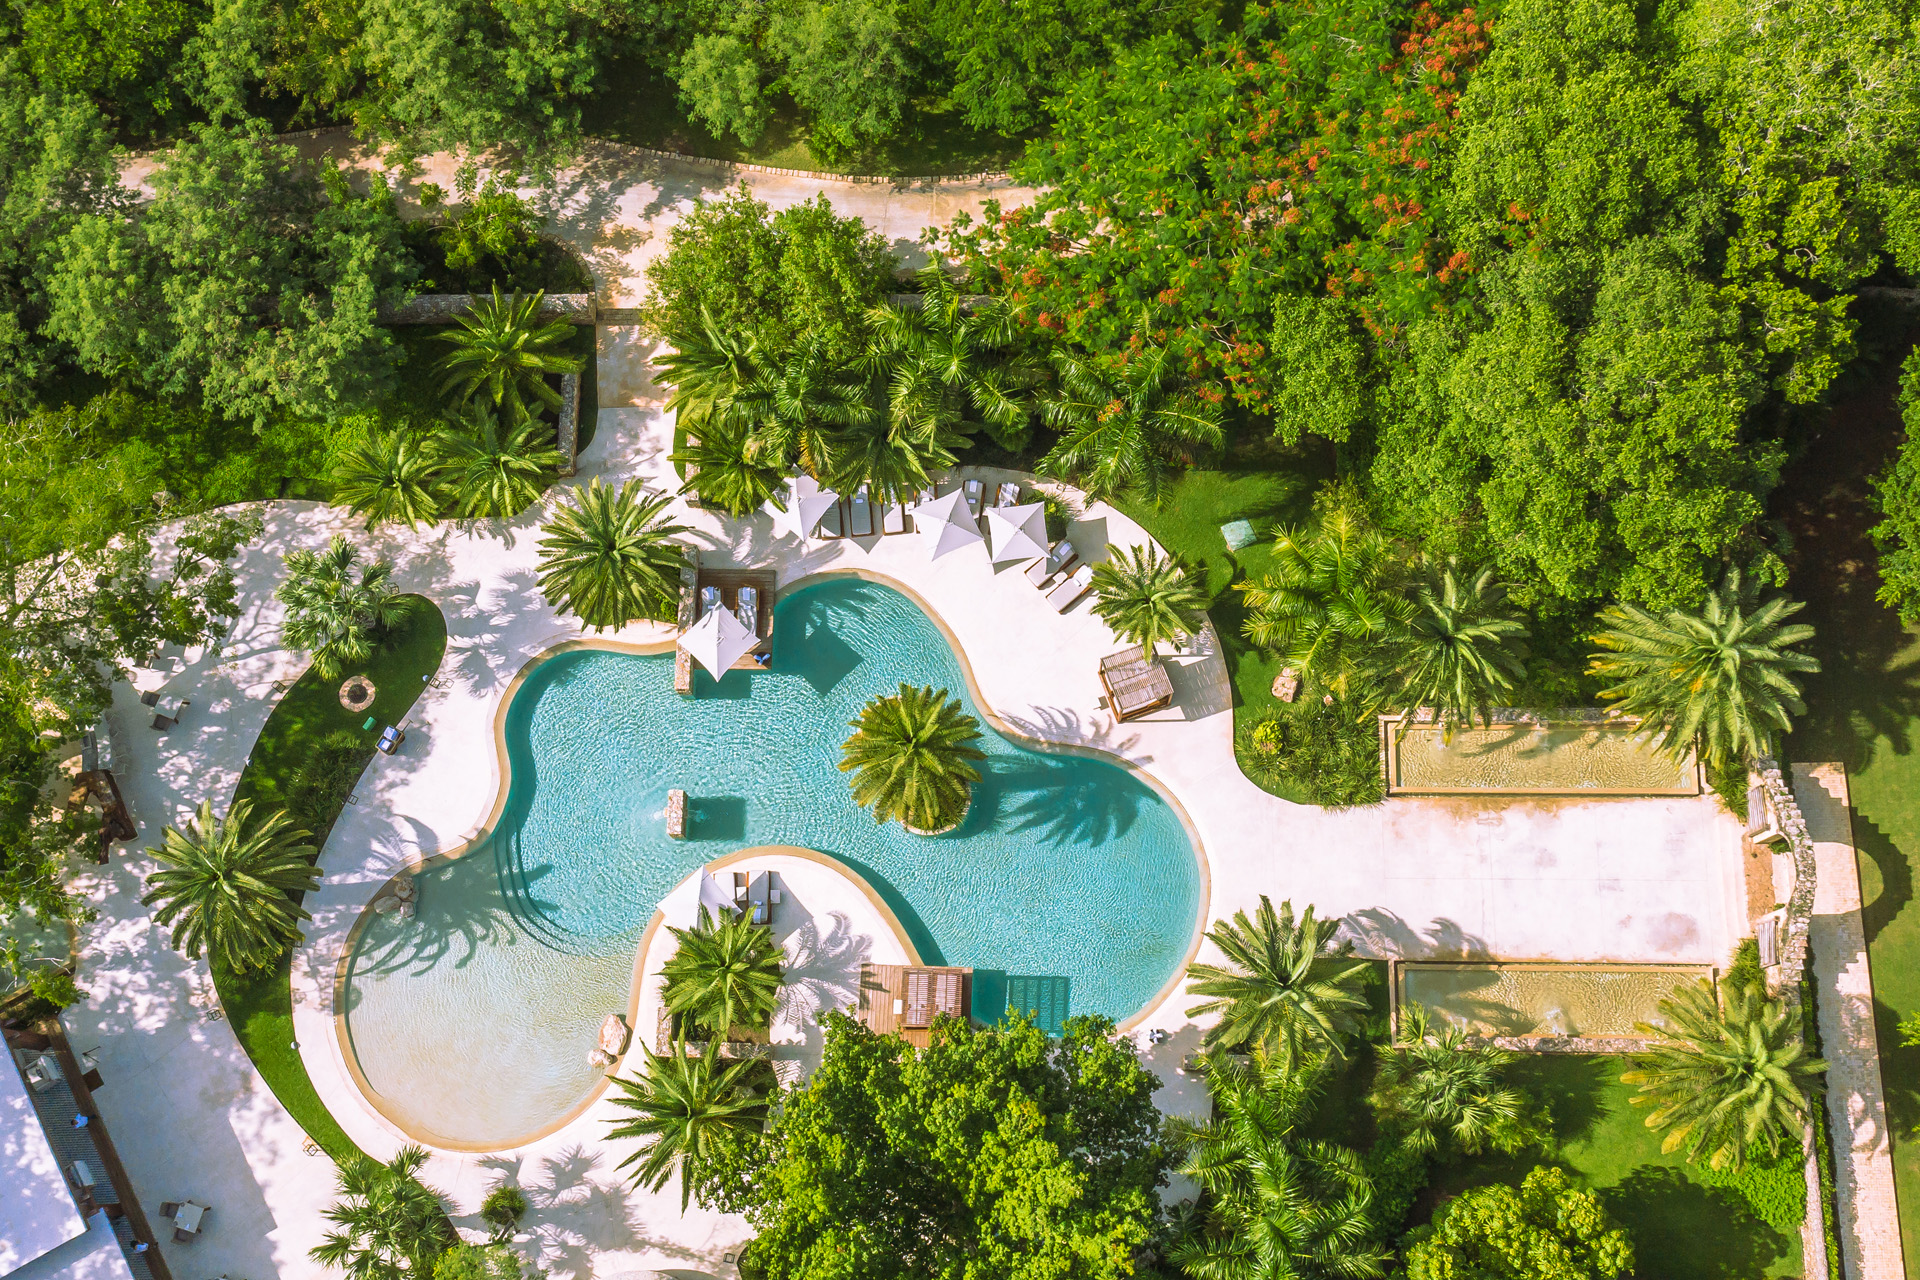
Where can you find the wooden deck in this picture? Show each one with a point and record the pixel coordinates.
(904, 1000)
(730, 581)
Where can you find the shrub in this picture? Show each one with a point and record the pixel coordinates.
(503, 1209)
(55, 987)
(320, 786)
(1318, 751)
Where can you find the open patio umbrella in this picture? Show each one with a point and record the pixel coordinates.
(681, 907)
(718, 641)
(806, 503)
(1018, 533)
(946, 524)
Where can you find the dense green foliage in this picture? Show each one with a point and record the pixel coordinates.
(387, 1224)
(1286, 987)
(1545, 1229)
(336, 613)
(912, 758)
(694, 1113)
(1018, 1153)
(609, 557)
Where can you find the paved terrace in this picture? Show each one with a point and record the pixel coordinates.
(1574, 880)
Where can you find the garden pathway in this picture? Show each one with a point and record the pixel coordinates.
(1843, 986)
(1576, 880)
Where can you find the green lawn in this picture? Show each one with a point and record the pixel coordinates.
(259, 1006)
(641, 110)
(1683, 1226)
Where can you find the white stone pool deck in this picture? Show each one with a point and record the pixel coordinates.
(1571, 880)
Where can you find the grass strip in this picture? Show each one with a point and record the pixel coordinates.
(259, 1003)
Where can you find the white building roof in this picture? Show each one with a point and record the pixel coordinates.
(37, 1213)
(93, 1255)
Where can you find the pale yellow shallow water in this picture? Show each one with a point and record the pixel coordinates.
(1521, 759)
(1545, 1000)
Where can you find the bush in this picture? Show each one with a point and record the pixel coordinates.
(55, 987)
(502, 1209)
(320, 786)
(1774, 1188)
(1320, 752)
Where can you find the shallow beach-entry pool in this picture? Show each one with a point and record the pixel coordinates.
(471, 1022)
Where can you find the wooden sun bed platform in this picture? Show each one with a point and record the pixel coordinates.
(904, 1000)
(729, 582)
(1135, 683)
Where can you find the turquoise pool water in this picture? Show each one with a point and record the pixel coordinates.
(1070, 877)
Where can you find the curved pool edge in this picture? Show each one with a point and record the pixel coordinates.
(503, 785)
(440, 1142)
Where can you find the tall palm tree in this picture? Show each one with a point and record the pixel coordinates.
(1329, 603)
(800, 405)
(1460, 648)
(1722, 677)
(707, 370)
(721, 468)
(334, 613)
(1435, 1085)
(1286, 985)
(494, 470)
(1120, 426)
(1147, 597)
(1723, 1083)
(911, 756)
(685, 1108)
(390, 1225)
(501, 351)
(609, 556)
(894, 459)
(226, 888)
(388, 477)
(1275, 1204)
(956, 364)
(725, 974)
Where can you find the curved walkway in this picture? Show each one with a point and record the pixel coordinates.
(1576, 880)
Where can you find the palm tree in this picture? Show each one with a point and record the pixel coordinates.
(226, 888)
(391, 1226)
(707, 371)
(911, 756)
(610, 557)
(491, 472)
(686, 1108)
(894, 459)
(1274, 1204)
(1286, 985)
(954, 364)
(799, 406)
(1329, 602)
(503, 352)
(725, 974)
(1722, 677)
(1120, 426)
(1146, 597)
(720, 467)
(1434, 1085)
(388, 477)
(1460, 648)
(1723, 1082)
(332, 613)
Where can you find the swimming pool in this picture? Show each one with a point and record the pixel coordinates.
(470, 1023)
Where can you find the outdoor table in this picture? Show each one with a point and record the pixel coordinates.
(188, 1219)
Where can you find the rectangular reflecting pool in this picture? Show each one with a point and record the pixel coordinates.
(1571, 757)
(1526, 1001)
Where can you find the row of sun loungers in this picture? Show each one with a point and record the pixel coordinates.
(854, 517)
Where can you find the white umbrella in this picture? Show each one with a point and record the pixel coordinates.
(718, 641)
(1018, 533)
(681, 907)
(806, 503)
(946, 524)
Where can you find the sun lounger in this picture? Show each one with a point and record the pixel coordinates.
(757, 897)
(740, 891)
(1008, 495)
(976, 494)
(748, 610)
(1060, 556)
(919, 1002)
(893, 518)
(709, 601)
(860, 525)
(832, 524)
(1071, 588)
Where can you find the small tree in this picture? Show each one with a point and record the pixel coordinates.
(1722, 678)
(502, 352)
(1460, 648)
(609, 556)
(333, 613)
(1286, 986)
(479, 1262)
(502, 1210)
(687, 1107)
(494, 469)
(388, 477)
(911, 756)
(1724, 1083)
(1546, 1229)
(389, 1225)
(1147, 597)
(722, 469)
(1435, 1086)
(723, 974)
(225, 887)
